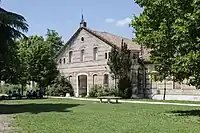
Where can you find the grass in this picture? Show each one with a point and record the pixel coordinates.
(152, 100)
(70, 116)
(168, 101)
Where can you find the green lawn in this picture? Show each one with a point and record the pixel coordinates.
(70, 116)
(168, 101)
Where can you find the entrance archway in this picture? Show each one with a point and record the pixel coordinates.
(82, 85)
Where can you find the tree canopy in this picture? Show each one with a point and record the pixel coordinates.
(38, 59)
(120, 66)
(12, 26)
(170, 29)
(53, 39)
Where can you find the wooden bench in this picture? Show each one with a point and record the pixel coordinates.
(109, 98)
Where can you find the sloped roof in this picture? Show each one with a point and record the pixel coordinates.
(116, 40)
(110, 39)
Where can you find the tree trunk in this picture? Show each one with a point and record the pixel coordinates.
(22, 89)
(164, 90)
(144, 82)
(115, 83)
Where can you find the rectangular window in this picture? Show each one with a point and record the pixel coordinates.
(95, 53)
(70, 56)
(82, 55)
(106, 55)
(106, 80)
(64, 60)
(109, 54)
(60, 61)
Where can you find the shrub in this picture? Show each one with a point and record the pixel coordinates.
(98, 90)
(4, 89)
(125, 87)
(94, 90)
(60, 87)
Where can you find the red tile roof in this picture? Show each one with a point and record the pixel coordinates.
(111, 39)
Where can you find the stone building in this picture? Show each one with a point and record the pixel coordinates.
(84, 61)
(84, 58)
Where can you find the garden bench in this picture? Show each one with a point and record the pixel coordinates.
(109, 98)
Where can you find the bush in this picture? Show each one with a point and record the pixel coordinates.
(97, 91)
(60, 87)
(4, 89)
(125, 87)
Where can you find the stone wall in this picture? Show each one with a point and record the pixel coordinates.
(88, 66)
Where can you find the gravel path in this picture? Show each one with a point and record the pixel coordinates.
(138, 102)
(5, 122)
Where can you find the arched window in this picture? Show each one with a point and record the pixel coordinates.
(82, 55)
(60, 61)
(69, 78)
(94, 79)
(106, 80)
(95, 50)
(82, 39)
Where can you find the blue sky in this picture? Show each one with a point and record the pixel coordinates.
(64, 15)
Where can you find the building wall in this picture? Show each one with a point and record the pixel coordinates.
(172, 88)
(99, 67)
(88, 66)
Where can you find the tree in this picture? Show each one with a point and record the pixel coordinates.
(12, 24)
(24, 76)
(11, 27)
(53, 39)
(114, 64)
(170, 28)
(120, 65)
(12, 67)
(41, 65)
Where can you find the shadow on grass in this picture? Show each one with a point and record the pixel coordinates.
(186, 112)
(35, 108)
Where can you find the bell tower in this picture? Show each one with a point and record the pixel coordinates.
(83, 23)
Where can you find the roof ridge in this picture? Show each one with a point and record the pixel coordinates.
(111, 34)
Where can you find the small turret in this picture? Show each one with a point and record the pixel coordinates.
(83, 23)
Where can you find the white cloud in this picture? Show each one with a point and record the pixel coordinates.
(123, 22)
(110, 20)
